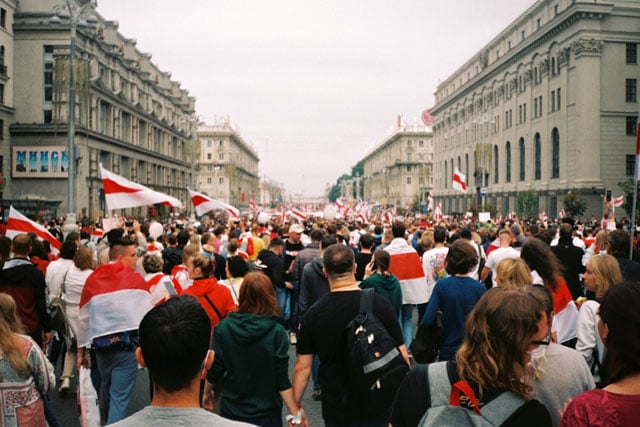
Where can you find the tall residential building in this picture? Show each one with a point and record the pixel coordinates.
(129, 115)
(228, 166)
(7, 74)
(398, 170)
(547, 107)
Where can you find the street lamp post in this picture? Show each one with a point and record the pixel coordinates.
(74, 14)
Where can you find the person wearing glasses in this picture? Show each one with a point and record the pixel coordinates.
(561, 373)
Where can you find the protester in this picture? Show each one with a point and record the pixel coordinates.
(251, 356)
(433, 261)
(506, 239)
(174, 347)
(384, 283)
(513, 273)
(618, 246)
(601, 273)
(570, 256)
(237, 267)
(26, 373)
(501, 331)
(455, 296)
(156, 279)
(618, 404)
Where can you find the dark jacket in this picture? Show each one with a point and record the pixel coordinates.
(308, 254)
(273, 267)
(21, 279)
(252, 356)
(313, 286)
(570, 257)
(630, 269)
(388, 287)
(171, 257)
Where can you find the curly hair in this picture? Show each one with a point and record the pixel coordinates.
(497, 334)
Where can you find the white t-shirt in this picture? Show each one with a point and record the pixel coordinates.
(498, 255)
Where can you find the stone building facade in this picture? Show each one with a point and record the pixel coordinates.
(547, 107)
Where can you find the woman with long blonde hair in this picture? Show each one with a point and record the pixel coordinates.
(25, 372)
(513, 273)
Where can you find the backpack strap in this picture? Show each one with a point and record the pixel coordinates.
(439, 383)
(366, 305)
(214, 307)
(502, 407)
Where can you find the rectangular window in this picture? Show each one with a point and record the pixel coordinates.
(3, 18)
(535, 107)
(1, 129)
(540, 103)
(519, 113)
(209, 144)
(631, 125)
(524, 112)
(48, 116)
(409, 143)
(408, 180)
(631, 90)
(631, 164)
(220, 156)
(558, 98)
(208, 156)
(553, 100)
(208, 180)
(632, 53)
(221, 180)
(421, 144)
(1, 94)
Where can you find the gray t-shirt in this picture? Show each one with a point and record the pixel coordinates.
(173, 417)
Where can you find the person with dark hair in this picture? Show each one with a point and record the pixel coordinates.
(273, 262)
(570, 256)
(363, 256)
(38, 255)
(174, 347)
(22, 279)
(545, 270)
(208, 243)
(237, 267)
(433, 260)
(503, 328)
(172, 254)
(618, 245)
(251, 356)
(455, 296)
(506, 239)
(384, 283)
(406, 265)
(320, 329)
(617, 404)
(308, 254)
(113, 301)
(560, 372)
(216, 299)
(5, 249)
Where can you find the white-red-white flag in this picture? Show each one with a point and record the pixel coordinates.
(438, 211)
(459, 181)
(204, 204)
(20, 224)
(430, 202)
(362, 217)
(121, 193)
(618, 201)
(283, 217)
(298, 214)
(562, 213)
(253, 205)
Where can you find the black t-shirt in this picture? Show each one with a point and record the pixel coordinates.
(291, 251)
(362, 259)
(322, 333)
(412, 401)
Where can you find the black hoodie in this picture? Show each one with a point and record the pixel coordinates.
(273, 267)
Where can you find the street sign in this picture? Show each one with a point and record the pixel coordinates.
(484, 191)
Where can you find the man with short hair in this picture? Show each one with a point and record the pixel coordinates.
(113, 301)
(618, 245)
(406, 265)
(433, 261)
(22, 279)
(570, 256)
(363, 256)
(321, 328)
(505, 237)
(174, 347)
(273, 266)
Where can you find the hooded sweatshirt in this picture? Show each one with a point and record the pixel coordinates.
(252, 356)
(218, 295)
(387, 286)
(313, 286)
(274, 267)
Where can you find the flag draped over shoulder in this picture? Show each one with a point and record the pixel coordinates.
(19, 224)
(459, 181)
(114, 299)
(204, 204)
(407, 267)
(121, 193)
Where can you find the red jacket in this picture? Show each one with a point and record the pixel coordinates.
(219, 295)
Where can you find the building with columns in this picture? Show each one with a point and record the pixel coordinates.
(398, 169)
(227, 165)
(547, 107)
(130, 116)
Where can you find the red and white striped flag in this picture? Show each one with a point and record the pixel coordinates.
(253, 205)
(362, 217)
(121, 193)
(20, 224)
(204, 204)
(543, 216)
(459, 181)
(430, 202)
(562, 213)
(298, 214)
(438, 211)
(283, 217)
(618, 201)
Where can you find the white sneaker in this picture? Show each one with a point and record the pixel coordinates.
(293, 339)
(65, 386)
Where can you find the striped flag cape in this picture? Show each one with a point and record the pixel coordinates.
(114, 299)
(120, 193)
(19, 224)
(407, 267)
(204, 204)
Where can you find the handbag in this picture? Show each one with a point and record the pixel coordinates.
(87, 400)
(57, 309)
(425, 346)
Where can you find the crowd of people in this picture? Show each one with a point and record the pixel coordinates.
(529, 317)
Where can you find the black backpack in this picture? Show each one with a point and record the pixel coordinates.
(375, 365)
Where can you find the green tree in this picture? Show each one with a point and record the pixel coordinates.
(627, 188)
(334, 193)
(528, 204)
(574, 204)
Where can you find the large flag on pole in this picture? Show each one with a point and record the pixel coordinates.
(618, 201)
(459, 181)
(19, 224)
(204, 204)
(121, 193)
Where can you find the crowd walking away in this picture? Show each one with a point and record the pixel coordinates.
(265, 320)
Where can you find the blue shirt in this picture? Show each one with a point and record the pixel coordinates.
(456, 297)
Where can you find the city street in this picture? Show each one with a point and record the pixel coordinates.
(66, 408)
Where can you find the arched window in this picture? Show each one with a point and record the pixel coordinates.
(451, 168)
(446, 175)
(496, 162)
(466, 164)
(522, 158)
(553, 66)
(538, 155)
(555, 153)
(459, 164)
(508, 161)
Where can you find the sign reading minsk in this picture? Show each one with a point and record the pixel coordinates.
(40, 162)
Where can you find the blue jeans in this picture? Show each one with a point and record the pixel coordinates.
(282, 295)
(118, 370)
(315, 370)
(295, 296)
(407, 327)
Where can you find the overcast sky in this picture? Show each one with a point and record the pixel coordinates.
(313, 86)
